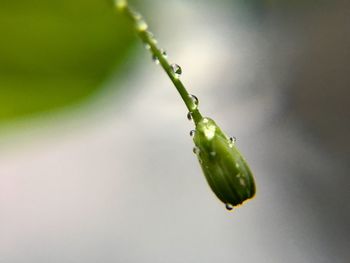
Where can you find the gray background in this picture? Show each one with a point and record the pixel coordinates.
(116, 180)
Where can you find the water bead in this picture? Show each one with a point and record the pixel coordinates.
(196, 150)
(155, 59)
(189, 116)
(228, 206)
(141, 24)
(164, 54)
(195, 102)
(134, 14)
(232, 141)
(194, 99)
(121, 4)
(151, 37)
(176, 69)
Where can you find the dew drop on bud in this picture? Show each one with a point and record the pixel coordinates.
(176, 70)
(189, 116)
(192, 133)
(232, 141)
(228, 206)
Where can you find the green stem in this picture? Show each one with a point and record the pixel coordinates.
(148, 39)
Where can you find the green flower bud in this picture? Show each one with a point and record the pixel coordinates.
(224, 167)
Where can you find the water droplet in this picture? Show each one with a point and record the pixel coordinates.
(196, 150)
(176, 70)
(150, 34)
(189, 116)
(213, 153)
(121, 4)
(141, 25)
(233, 139)
(163, 52)
(147, 46)
(151, 37)
(228, 206)
(242, 182)
(194, 99)
(192, 133)
(134, 14)
(155, 59)
(195, 102)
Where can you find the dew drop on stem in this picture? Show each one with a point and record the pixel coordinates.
(155, 59)
(192, 133)
(195, 102)
(151, 37)
(176, 69)
(195, 99)
(121, 4)
(141, 25)
(189, 116)
(164, 54)
(135, 15)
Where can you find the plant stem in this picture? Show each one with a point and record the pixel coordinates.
(157, 53)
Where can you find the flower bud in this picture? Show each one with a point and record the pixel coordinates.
(225, 169)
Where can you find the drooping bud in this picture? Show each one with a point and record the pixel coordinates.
(225, 169)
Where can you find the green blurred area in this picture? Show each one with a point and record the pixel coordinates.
(56, 53)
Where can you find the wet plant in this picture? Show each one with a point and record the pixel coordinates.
(224, 168)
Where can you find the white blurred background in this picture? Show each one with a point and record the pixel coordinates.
(116, 180)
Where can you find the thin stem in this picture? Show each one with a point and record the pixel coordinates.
(157, 53)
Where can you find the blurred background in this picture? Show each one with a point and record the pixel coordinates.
(96, 161)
